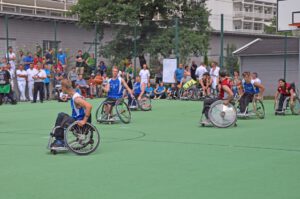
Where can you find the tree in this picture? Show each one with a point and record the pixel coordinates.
(155, 35)
(272, 28)
(231, 61)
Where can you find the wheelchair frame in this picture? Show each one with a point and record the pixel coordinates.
(138, 103)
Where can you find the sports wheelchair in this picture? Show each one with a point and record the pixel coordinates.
(191, 91)
(295, 109)
(79, 140)
(119, 112)
(221, 115)
(144, 104)
(255, 108)
(8, 97)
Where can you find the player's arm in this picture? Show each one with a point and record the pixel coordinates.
(106, 88)
(229, 93)
(88, 109)
(261, 88)
(127, 87)
(292, 96)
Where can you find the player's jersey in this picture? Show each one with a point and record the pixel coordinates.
(77, 113)
(249, 87)
(115, 88)
(225, 82)
(137, 88)
(285, 90)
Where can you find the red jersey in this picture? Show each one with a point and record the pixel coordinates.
(225, 82)
(285, 90)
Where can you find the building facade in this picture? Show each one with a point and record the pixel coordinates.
(242, 15)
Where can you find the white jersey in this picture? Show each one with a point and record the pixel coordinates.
(12, 62)
(31, 73)
(40, 74)
(21, 72)
(214, 73)
(200, 71)
(257, 80)
(145, 75)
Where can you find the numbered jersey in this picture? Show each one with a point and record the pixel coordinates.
(115, 88)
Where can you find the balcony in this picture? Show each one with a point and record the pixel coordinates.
(52, 9)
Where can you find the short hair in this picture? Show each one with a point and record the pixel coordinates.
(223, 73)
(283, 80)
(246, 73)
(66, 83)
(255, 73)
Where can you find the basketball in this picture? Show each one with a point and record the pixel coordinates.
(98, 80)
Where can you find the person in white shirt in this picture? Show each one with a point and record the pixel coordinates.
(39, 77)
(12, 76)
(21, 79)
(145, 79)
(200, 71)
(214, 73)
(12, 58)
(30, 81)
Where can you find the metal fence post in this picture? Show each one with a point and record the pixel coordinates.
(177, 40)
(7, 38)
(222, 42)
(285, 55)
(134, 50)
(96, 40)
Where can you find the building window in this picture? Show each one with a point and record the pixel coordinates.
(47, 44)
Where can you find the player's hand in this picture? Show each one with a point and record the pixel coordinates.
(81, 123)
(226, 102)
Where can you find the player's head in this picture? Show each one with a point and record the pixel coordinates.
(281, 82)
(115, 72)
(66, 85)
(254, 75)
(206, 75)
(145, 66)
(137, 79)
(223, 74)
(247, 76)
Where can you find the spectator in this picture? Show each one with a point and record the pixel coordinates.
(236, 83)
(59, 66)
(102, 68)
(12, 75)
(91, 62)
(149, 91)
(187, 74)
(178, 75)
(160, 91)
(171, 92)
(79, 63)
(39, 78)
(193, 70)
(62, 58)
(28, 60)
(82, 85)
(145, 78)
(58, 76)
(99, 81)
(36, 60)
(129, 72)
(72, 75)
(200, 71)
(159, 75)
(47, 81)
(12, 59)
(206, 83)
(5, 86)
(214, 73)
(49, 58)
(93, 86)
(21, 58)
(21, 79)
(30, 81)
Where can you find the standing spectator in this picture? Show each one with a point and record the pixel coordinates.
(21, 79)
(149, 91)
(79, 63)
(72, 75)
(36, 60)
(47, 81)
(62, 58)
(28, 60)
(5, 86)
(91, 62)
(159, 75)
(129, 72)
(49, 57)
(39, 78)
(98, 81)
(200, 71)
(214, 73)
(30, 81)
(58, 76)
(12, 75)
(145, 79)
(193, 70)
(178, 75)
(102, 68)
(187, 74)
(12, 58)
(21, 58)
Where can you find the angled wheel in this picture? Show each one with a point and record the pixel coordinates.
(123, 111)
(295, 108)
(145, 103)
(259, 108)
(82, 140)
(100, 112)
(222, 116)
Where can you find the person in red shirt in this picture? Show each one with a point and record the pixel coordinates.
(284, 90)
(225, 94)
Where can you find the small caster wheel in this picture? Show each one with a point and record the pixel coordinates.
(53, 152)
(203, 125)
(235, 125)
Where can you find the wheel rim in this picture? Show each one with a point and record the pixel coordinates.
(222, 115)
(145, 103)
(296, 108)
(259, 109)
(123, 112)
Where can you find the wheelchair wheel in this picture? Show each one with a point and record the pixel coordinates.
(296, 107)
(222, 116)
(82, 140)
(123, 111)
(145, 103)
(100, 111)
(259, 108)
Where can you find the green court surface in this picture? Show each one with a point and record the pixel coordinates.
(161, 154)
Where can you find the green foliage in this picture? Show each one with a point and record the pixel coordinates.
(231, 61)
(272, 29)
(154, 37)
